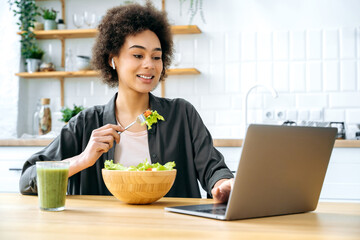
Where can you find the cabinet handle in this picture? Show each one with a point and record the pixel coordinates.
(15, 169)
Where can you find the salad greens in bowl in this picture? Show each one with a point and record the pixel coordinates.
(141, 184)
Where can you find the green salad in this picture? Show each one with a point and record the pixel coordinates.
(145, 166)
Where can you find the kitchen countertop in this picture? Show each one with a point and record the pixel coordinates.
(105, 217)
(16, 142)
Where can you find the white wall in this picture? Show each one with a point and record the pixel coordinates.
(307, 50)
(9, 64)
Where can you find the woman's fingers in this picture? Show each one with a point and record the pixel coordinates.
(101, 141)
(221, 193)
(109, 130)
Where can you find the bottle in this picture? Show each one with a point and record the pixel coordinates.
(69, 61)
(45, 117)
(35, 126)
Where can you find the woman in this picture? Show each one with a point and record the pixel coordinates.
(132, 51)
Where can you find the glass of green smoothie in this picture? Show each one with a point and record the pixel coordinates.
(52, 179)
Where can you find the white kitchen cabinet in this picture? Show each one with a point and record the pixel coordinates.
(342, 181)
(11, 162)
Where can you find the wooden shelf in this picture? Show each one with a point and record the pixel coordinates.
(92, 73)
(58, 74)
(185, 29)
(183, 71)
(89, 33)
(61, 75)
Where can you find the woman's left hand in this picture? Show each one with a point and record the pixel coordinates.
(221, 190)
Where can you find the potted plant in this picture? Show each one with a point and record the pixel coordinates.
(33, 55)
(27, 11)
(49, 18)
(68, 113)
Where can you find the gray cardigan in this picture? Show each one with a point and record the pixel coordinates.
(182, 138)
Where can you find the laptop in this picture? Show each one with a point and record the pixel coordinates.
(281, 171)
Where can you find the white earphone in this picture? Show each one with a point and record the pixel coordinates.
(112, 63)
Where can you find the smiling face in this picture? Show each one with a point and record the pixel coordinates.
(139, 63)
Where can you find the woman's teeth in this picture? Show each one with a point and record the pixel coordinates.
(142, 76)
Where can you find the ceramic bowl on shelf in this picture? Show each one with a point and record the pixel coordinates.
(138, 187)
(82, 63)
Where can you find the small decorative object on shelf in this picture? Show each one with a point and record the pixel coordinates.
(47, 67)
(45, 117)
(61, 25)
(49, 18)
(38, 26)
(68, 113)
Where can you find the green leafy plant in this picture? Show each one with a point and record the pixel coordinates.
(34, 52)
(68, 113)
(194, 7)
(26, 10)
(49, 14)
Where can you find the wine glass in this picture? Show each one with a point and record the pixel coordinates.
(78, 20)
(177, 59)
(176, 54)
(90, 19)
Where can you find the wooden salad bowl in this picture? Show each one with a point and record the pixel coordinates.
(138, 187)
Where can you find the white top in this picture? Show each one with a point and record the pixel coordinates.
(132, 149)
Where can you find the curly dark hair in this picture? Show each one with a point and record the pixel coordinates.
(122, 21)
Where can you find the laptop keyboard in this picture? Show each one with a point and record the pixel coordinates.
(217, 211)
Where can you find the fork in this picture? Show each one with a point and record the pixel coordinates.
(140, 119)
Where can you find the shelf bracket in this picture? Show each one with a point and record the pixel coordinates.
(62, 52)
(63, 9)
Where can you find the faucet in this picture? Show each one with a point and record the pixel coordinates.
(269, 88)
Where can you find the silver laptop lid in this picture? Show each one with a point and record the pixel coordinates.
(281, 170)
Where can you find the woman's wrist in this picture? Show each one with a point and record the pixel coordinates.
(77, 164)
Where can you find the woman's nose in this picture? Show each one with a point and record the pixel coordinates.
(149, 63)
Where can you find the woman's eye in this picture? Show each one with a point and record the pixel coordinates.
(157, 58)
(138, 56)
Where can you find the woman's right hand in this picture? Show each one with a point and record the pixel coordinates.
(101, 141)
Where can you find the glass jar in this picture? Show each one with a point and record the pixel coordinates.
(35, 126)
(45, 117)
(69, 61)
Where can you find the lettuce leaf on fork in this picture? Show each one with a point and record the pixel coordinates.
(152, 117)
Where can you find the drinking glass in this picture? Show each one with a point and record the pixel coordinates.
(78, 20)
(90, 19)
(52, 179)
